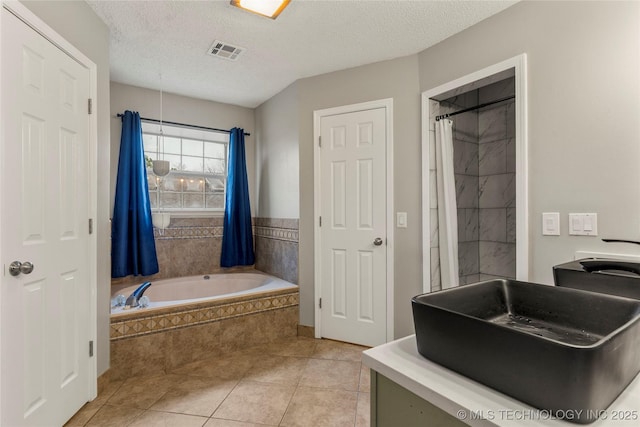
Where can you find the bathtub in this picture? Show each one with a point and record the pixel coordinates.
(197, 317)
(195, 289)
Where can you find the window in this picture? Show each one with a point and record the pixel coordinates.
(198, 164)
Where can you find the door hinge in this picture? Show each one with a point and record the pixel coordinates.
(320, 218)
(320, 303)
(320, 141)
(90, 348)
(90, 105)
(90, 225)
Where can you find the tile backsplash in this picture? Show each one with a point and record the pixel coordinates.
(276, 242)
(192, 246)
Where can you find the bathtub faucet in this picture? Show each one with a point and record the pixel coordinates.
(133, 299)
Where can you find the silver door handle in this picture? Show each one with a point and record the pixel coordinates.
(17, 267)
(377, 241)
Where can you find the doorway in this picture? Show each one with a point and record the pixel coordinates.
(487, 227)
(353, 232)
(48, 289)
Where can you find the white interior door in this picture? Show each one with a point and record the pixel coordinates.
(353, 236)
(45, 210)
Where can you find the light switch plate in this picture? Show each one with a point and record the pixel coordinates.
(401, 219)
(551, 223)
(583, 224)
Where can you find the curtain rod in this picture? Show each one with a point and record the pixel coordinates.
(486, 104)
(184, 125)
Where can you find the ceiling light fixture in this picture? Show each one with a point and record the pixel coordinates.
(269, 8)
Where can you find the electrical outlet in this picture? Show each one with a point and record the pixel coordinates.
(551, 224)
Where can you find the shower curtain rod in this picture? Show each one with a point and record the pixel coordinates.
(444, 116)
(144, 119)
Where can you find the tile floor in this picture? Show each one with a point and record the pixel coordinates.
(296, 382)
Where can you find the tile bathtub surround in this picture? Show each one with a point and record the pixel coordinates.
(189, 246)
(192, 246)
(155, 341)
(276, 241)
(133, 323)
(284, 383)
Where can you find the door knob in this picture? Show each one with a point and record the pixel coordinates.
(17, 267)
(377, 241)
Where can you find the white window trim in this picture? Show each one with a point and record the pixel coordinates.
(189, 133)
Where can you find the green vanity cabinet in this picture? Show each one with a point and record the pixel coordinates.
(394, 406)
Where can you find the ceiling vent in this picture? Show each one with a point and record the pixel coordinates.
(225, 50)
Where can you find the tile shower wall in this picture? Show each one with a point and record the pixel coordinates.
(484, 168)
(497, 219)
(276, 241)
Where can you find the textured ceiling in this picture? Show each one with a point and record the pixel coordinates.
(164, 44)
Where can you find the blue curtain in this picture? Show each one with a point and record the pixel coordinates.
(237, 239)
(133, 248)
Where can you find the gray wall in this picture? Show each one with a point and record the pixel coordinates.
(397, 79)
(583, 108)
(583, 68)
(277, 172)
(76, 22)
(277, 159)
(181, 109)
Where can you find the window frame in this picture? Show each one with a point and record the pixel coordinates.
(188, 133)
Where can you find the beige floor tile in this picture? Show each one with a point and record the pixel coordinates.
(142, 392)
(296, 347)
(216, 422)
(228, 367)
(336, 350)
(83, 415)
(321, 408)
(256, 403)
(365, 379)
(90, 408)
(278, 370)
(166, 419)
(111, 388)
(195, 396)
(114, 416)
(363, 413)
(336, 374)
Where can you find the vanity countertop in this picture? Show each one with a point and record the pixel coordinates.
(474, 403)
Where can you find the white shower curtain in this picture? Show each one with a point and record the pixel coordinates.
(447, 207)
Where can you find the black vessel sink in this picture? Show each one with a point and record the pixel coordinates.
(607, 276)
(563, 350)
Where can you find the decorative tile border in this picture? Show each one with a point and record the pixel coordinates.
(195, 314)
(194, 228)
(287, 234)
(188, 233)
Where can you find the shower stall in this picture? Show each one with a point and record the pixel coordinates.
(482, 167)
